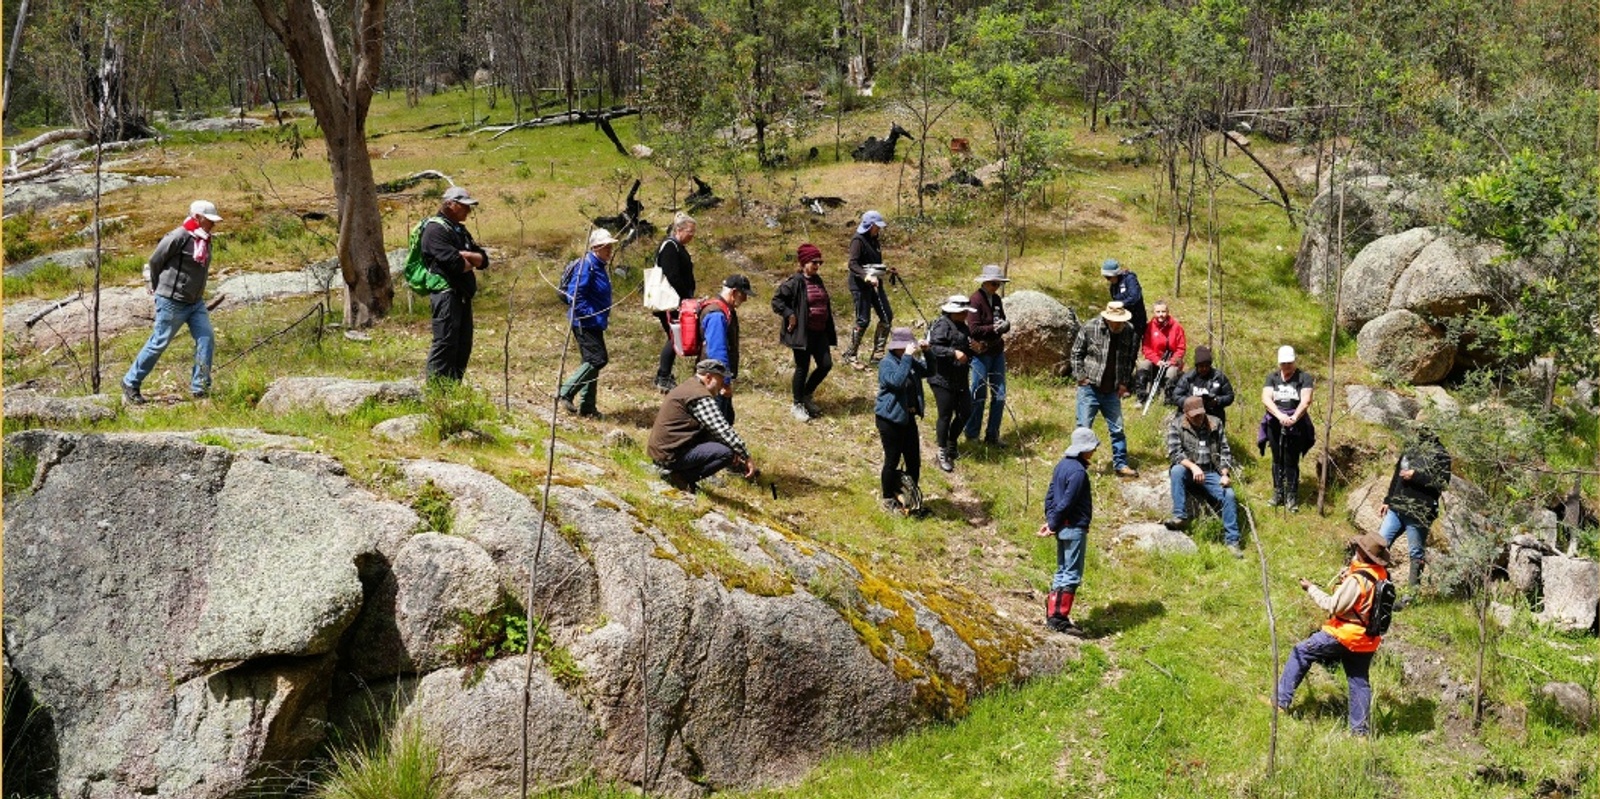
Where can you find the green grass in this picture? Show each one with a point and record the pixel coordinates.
(404, 765)
(1166, 698)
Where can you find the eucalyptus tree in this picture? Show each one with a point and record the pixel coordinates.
(339, 74)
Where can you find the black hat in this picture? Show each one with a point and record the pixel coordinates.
(739, 283)
(1202, 354)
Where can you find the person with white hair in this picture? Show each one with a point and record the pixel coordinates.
(589, 298)
(672, 257)
(177, 271)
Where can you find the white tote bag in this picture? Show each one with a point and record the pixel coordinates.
(658, 293)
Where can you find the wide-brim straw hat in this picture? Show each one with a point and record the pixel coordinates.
(1116, 312)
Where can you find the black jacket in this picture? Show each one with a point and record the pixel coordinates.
(790, 300)
(946, 337)
(1419, 496)
(677, 267)
(1215, 388)
(441, 251)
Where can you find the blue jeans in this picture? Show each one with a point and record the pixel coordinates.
(1212, 486)
(1324, 648)
(1069, 559)
(1416, 532)
(702, 461)
(1108, 405)
(988, 378)
(170, 316)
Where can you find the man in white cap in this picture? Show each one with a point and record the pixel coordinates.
(449, 252)
(1102, 361)
(1068, 509)
(588, 292)
(178, 270)
(1287, 426)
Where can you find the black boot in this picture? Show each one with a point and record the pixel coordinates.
(851, 352)
(880, 341)
(1416, 574)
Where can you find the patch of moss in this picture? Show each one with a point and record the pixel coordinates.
(20, 467)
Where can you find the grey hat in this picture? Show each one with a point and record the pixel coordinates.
(456, 194)
(1110, 267)
(992, 273)
(956, 303)
(900, 338)
(711, 366)
(1083, 440)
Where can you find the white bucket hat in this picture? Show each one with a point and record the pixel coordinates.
(956, 303)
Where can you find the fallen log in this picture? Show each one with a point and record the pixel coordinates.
(564, 118)
(60, 160)
(23, 152)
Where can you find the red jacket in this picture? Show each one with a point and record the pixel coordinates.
(1159, 340)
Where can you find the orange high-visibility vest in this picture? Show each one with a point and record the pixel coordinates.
(1350, 627)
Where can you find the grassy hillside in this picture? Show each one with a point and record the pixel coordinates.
(1169, 695)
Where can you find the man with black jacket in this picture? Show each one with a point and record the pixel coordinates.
(449, 251)
(1207, 383)
(1420, 476)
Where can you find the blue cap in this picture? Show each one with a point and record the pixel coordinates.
(869, 219)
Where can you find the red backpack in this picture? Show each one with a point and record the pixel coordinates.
(687, 338)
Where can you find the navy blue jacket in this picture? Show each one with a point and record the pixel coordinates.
(1068, 504)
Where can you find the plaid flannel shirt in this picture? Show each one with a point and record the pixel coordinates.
(705, 409)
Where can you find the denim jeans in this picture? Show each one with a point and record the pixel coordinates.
(1212, 486)
(1108, 405)
(988, 378)
(1069, 559)
(1416, 532)
(701, 461)
(170, 316)
(1324, 648)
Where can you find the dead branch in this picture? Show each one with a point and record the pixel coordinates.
(564, 118)
(62, 159)
(24, 152)
(50, 309)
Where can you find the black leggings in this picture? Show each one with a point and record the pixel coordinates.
(1285, 462)
(669, 356)
(900, 442)
(816, 351)
(955, 405)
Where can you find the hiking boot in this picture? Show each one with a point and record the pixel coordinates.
(1175, 523)
(800, 413)
(1277, 499)
(994, 443)
(1236, 551)
(893, 505)
(199, 395)
(666, 384)
(1127, 471)
(1064, 624)
(679, 482)
(812, 407)
(945, 463)
(569, 406)
(1294, 505)
(880, 342)
(131, 395)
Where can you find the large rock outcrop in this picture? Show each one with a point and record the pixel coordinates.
(221, 609)
(1375, 206)
(1042, 331)
(1404, 347)
(1369, 279)
(172, 606)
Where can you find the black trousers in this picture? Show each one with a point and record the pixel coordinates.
(806, 379)
(583, 384)
(669, 356)
(955, 405)
(452, 335)
(900, 443)
(1285, 462)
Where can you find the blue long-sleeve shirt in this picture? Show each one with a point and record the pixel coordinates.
(1068, 503)
(591, 294)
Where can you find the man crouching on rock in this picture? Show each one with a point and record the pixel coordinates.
(691, 439)
(1068, 508)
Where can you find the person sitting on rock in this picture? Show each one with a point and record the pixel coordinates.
(1343, 638)
(1161, 352)
(691, 439)
(1201, 461)
(1207, 383)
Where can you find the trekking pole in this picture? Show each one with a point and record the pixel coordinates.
(1161, 377)
(1027, 474)
(1272, 632)
(895, 278)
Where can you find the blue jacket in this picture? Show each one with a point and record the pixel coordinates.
(900, 388)
(1127, 291)
(591, 294)
(721, 337)
(1068, 503)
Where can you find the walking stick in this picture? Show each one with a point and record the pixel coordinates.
(1161, 377)
(895, 278)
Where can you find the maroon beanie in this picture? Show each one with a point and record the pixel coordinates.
(808, 253)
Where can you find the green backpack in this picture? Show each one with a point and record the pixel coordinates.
(418, 277)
